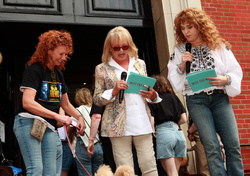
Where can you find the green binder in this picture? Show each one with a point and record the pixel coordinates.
(136, 83)
(198, 80)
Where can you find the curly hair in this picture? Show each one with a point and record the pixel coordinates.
(115, 35)
(49, 41)
(83, 97)
(162, 85)
(201, 22)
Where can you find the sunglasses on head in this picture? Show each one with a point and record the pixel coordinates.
(118, 48)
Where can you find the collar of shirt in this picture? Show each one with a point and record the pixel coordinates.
(119, 69)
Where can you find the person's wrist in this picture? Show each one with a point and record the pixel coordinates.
(80, 115)
(228, 80)
(91, 139)
(180, 70)
(154, 100)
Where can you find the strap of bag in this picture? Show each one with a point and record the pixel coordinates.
(4, 160)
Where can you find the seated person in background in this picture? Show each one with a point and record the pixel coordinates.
(169, 114)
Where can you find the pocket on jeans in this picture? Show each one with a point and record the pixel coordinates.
(164, 138)
(181, 136)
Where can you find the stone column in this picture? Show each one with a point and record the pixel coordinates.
(164, 12)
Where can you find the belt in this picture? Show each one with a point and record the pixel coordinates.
(215, 91)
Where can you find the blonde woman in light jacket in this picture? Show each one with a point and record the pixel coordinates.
(129, 121)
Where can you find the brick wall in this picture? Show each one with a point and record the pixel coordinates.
(232, 18)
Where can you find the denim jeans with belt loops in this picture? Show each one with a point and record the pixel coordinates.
(212, 113)
(59, 155)
(39, 157)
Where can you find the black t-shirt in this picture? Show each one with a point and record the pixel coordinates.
(49, 91)
(169, 109)
(96, 109)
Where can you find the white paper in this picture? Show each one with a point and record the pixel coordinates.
(2, 131)
(74, 121)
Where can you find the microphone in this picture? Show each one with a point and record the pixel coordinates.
(188, 48)
(121, 93)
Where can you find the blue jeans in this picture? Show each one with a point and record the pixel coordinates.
(90, 163)
(212, 113)
(39, 157)
(59, 155)
(170, 142)
(67, 156)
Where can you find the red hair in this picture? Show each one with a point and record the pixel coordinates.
(49, 41)
(201, 22)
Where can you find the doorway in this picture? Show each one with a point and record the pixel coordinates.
(18, 42)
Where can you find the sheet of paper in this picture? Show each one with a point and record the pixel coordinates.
(2, 131)
(74, 121)
(198, 80)
(136, 83)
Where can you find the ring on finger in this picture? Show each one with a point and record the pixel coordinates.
(122, 85)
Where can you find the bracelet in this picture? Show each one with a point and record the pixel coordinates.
(91, 139)
(179, 71)
(228, 80)
(78, 116)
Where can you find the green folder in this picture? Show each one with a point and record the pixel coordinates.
(198, 80)
(136, 83)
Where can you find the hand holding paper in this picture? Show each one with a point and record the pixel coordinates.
(136, 83)
(199, 80)
(218, 81)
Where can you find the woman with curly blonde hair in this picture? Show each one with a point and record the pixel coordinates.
(209, 108)
(44, 92)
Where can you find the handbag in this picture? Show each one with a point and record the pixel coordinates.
(6, 167)
(38, 129)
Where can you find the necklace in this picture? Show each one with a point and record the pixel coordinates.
(53, 77)
(198, 44)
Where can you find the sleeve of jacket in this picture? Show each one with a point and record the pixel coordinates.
(101, 84)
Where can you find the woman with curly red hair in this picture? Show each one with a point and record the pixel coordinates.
(44, 92)
(209, 108)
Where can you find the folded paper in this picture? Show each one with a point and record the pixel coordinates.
(198, 80)
(136, 83)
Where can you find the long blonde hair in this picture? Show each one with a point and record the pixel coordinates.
(203, 23)
(117, 34)
(83, 97)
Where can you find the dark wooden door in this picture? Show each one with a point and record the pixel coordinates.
(90, 12)
(89, 21)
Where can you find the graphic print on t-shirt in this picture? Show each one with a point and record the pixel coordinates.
(51, 92)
